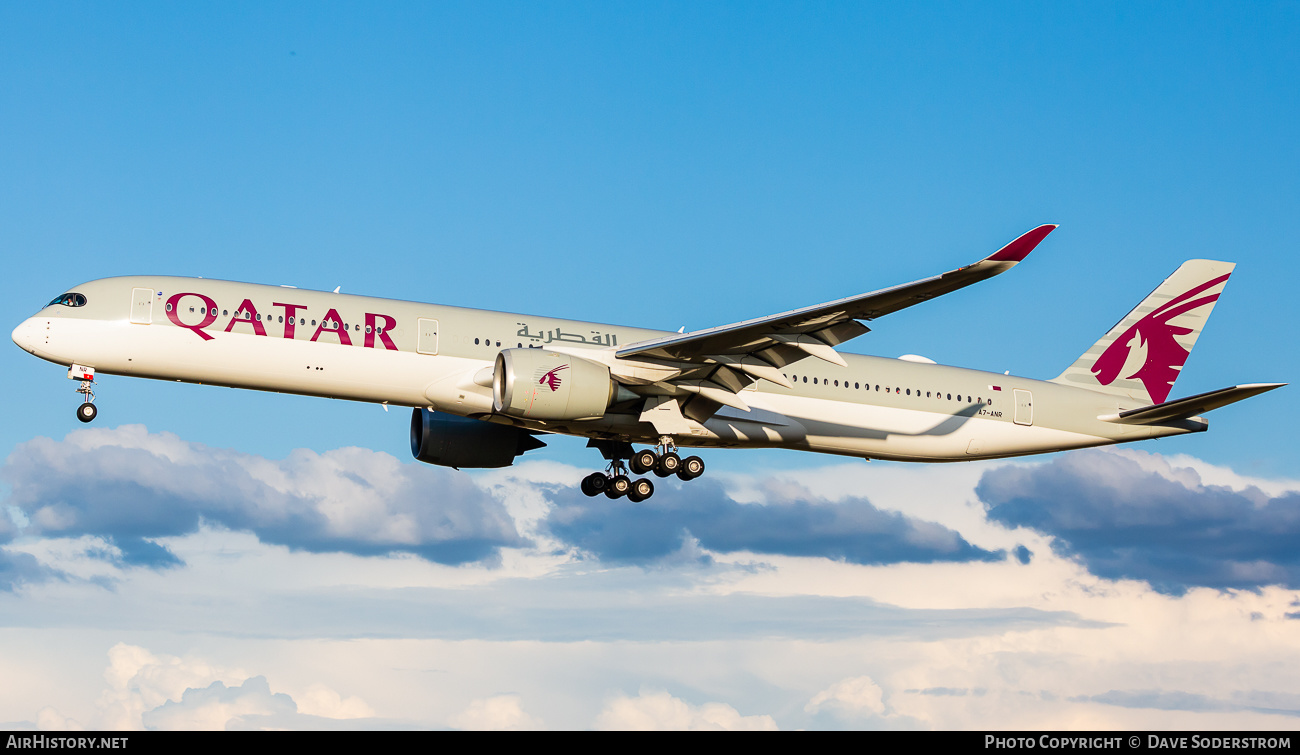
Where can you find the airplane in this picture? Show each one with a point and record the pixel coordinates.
(484, 385)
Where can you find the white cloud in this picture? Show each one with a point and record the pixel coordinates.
(855, 696)
(660, 711)
(140, 681)
(49, 719)
(218, 707)
(745, 639)
(499, 713)
(319, 700)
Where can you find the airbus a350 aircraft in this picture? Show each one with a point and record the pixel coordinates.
(484, 384)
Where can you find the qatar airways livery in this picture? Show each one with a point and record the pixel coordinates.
(484, 385)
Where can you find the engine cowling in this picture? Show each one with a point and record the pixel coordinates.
(460, 442)
(547, 385)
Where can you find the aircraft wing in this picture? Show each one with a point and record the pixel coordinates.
(762, 346)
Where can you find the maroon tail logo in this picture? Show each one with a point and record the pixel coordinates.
(1164, 355)
(551, 379)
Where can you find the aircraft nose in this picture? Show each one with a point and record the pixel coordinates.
(26, 333)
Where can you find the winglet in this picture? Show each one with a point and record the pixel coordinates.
(1020, 248)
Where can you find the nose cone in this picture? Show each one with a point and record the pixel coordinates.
(26, 333)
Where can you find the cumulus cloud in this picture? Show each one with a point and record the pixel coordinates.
(788, 521)
(17, 568)
(1141, 518)
(857, 696)
(500, 713)
(216, 707)
(660, 711)
(155, 691)
(130, 486)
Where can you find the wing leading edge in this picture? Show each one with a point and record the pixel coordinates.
(760, 347)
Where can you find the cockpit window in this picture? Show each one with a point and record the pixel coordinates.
(69, 300)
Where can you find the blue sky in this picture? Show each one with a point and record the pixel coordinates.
(660, 165)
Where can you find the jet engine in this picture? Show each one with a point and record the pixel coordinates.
(547, 385)
(451, 441)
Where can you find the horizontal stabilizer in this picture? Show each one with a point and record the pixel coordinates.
(1192, 406)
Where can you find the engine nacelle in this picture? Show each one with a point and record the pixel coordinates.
(548, 385)
(451, 441)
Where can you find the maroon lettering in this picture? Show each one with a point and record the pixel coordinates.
(373, 329)
(332, 316)
(249, 313)
(209, 314)
(289, 310)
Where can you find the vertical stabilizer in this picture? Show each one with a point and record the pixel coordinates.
(1141, 356)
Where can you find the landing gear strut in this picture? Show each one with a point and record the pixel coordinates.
(87, 411)
(615, 482)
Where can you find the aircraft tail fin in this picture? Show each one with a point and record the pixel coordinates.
(1141, 356)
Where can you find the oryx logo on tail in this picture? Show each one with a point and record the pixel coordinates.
(551, 379)
(1149, 350)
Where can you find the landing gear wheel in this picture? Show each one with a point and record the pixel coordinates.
(692, 467)
(668, 464)
(86, 412)
(618, 487)
(643, 461)
(594, 484)
(641, 490)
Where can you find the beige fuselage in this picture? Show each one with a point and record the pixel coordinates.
(403, 353)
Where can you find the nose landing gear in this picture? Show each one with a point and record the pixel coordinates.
(87, 411)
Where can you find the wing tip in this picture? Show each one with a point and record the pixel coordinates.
(1020, 248)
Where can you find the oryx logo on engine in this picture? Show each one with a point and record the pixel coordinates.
(550, 378)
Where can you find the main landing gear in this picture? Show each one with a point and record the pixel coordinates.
(615, 482)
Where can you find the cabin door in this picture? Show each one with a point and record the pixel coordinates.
(142, 306)
(1024, 408)
(427, 340)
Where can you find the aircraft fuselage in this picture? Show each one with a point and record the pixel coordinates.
(402, 353)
